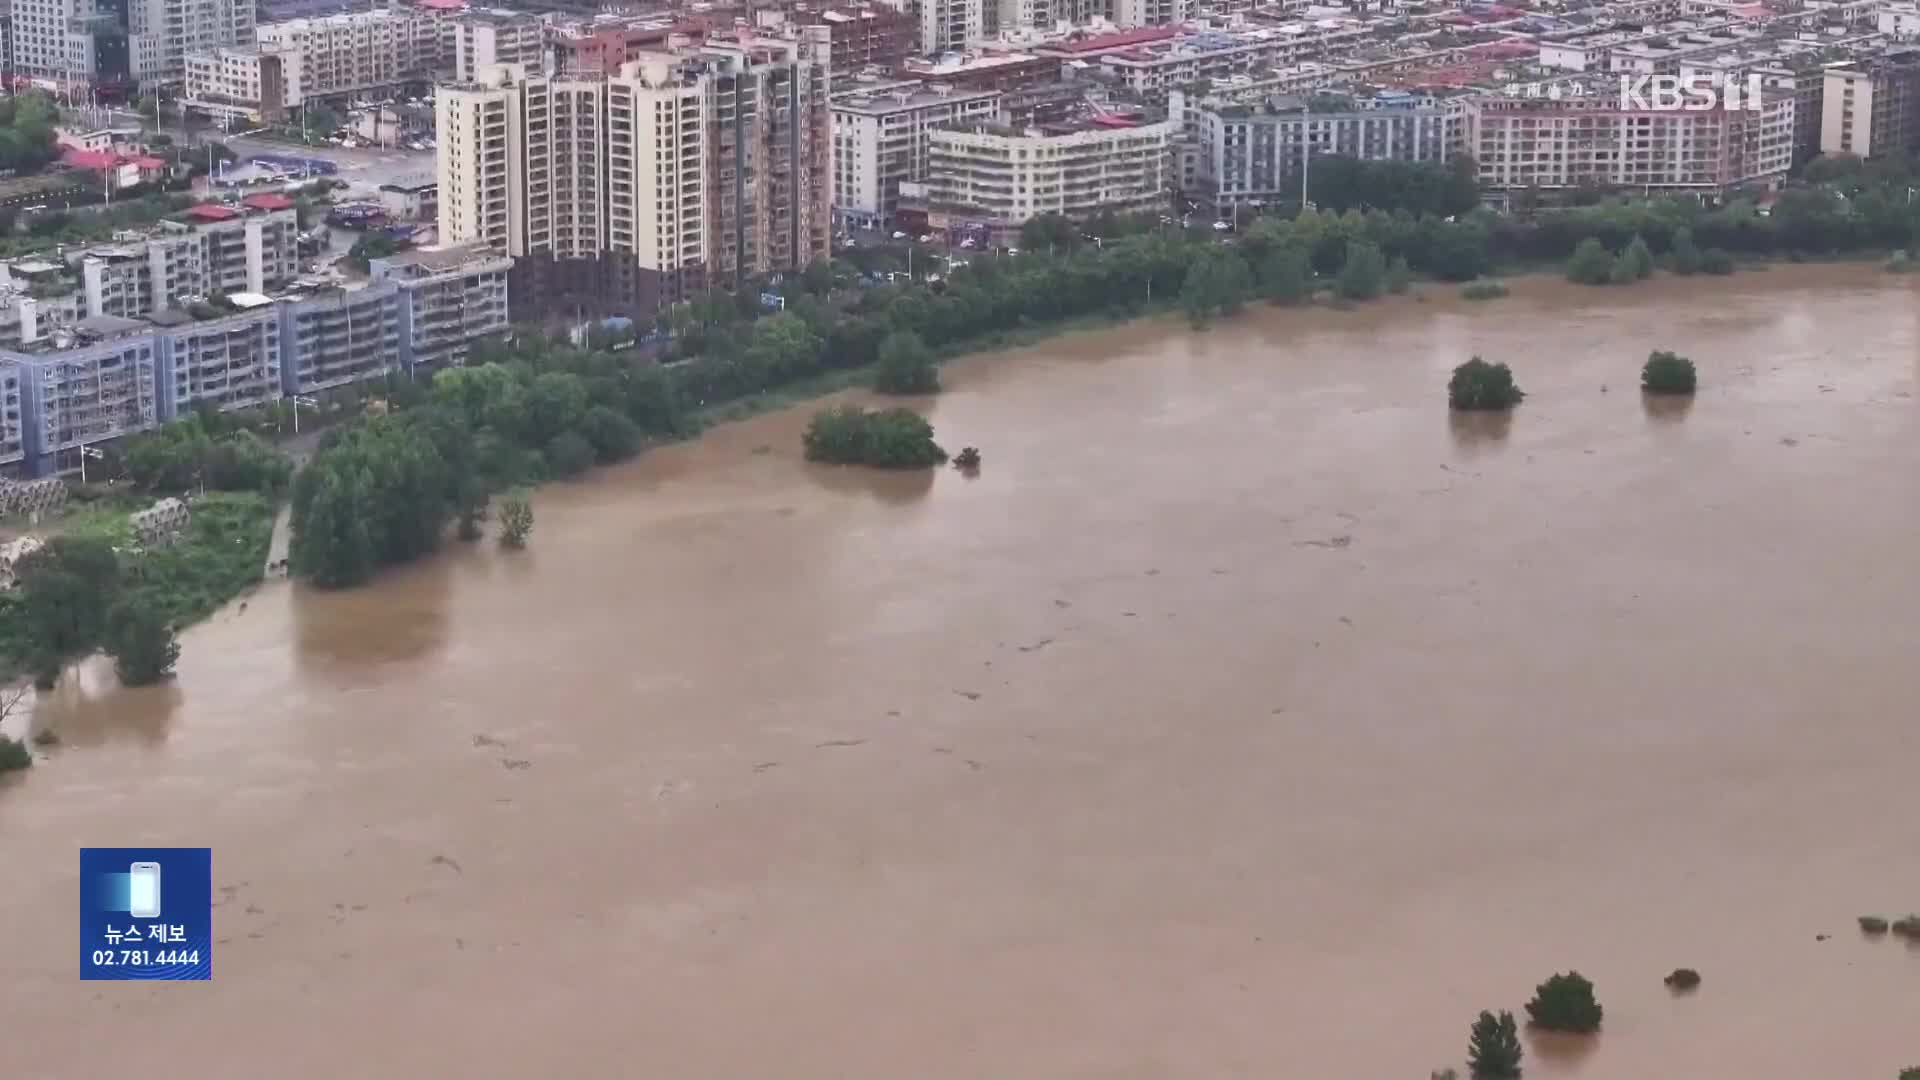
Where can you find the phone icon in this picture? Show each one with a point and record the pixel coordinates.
(143, 890)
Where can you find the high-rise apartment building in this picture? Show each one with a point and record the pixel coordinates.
(160, 34)
(522, 163)
(709, 163)
(51, 42)
(657, 169)
(1871, 108)
(482, 39)
(1151, 12)
(950, 25)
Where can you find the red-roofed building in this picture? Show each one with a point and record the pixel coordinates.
(212, 212)
(267, 200)
(95, 160)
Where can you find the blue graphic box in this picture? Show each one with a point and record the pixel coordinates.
(146, 913)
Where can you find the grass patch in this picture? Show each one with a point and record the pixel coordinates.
(1483, 290)
(222, 552)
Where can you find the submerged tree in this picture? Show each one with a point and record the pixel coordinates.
(1479, 386)
(142, 644)
(516, 519)
(1565, 1003)
(1493, 1047)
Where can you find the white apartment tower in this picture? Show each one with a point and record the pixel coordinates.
(476, 180)
(656, 159)
(160, 34)
(950, 25)
(522, 163)
(1151, 12)
(50, 41)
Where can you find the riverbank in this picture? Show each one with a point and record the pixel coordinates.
(217, 557)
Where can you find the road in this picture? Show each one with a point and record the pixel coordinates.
(368, 168)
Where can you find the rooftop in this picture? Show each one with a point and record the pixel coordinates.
(211, 212)
(267, 200)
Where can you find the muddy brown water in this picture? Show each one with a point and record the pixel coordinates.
(1243, 717)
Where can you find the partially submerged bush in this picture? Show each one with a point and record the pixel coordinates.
(1908, 927)
(1682, 979)
(1479, 386)
(886, 438)
(1565, 1003)
(14, 755)
(1668, 373)
(1483, 290)
(1493, 1047)
(1716, 261)
(1872, 925)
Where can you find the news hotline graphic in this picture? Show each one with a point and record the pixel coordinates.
(146, 913)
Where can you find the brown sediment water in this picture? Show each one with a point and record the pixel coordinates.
(1245, 716)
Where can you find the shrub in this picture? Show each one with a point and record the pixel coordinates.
(1483, 290)
(569, 454)
(14, 755)
(1638, 259)
(968, 458)
(1565, 1003)
(612, 436)
(1873, 925)
(1364, 273)
(1493, 1047)
(906, 365)
(1590, 265)
(1682, 979)
(1667, 373)
(1908, 927)
(1910, 1074)
(1716, 261)
(886, 438)
(142, 643)
(516, 519)
(1399, 275)
(1477, 386)
(1686, 254)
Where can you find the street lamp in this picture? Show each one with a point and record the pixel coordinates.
(85, 453)
(299, 401)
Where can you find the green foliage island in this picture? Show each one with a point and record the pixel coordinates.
(1668, 373)
(1477, 386)
(883, 438)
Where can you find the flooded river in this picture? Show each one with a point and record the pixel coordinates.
(1243, 717)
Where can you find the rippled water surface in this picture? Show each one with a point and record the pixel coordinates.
(1243, 717)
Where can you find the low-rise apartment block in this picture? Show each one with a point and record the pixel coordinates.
(880, 139)
(997, 176)
(1586, 137)
(106, 376)
(1252, 154)
(214, 249)
(243, 82)
(357, 50)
